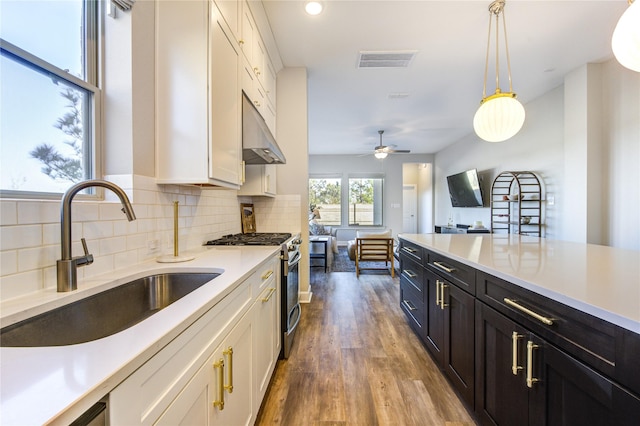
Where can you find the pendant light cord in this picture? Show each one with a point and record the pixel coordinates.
(495, 9)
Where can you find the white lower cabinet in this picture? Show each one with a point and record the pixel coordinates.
(266, 333)
(217, 371)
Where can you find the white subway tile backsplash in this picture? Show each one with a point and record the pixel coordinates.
(29, 250)
(19, 284)
(20, 236)
(8, 212)
(37, 258)
(38, 212)
(9, 262)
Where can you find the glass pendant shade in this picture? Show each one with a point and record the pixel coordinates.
(380, 155)
(626, 38)
(499, 117)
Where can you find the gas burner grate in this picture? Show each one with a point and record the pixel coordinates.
(255, 239)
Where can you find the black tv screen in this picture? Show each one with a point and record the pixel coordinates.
(464, 189)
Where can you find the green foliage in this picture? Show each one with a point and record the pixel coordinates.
(361, 191)
(324, 191)
(55, 164)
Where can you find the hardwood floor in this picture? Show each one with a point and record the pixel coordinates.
(355, 361)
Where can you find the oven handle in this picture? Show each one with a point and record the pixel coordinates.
(286, 265)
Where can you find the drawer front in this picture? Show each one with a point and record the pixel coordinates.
(411, 251)
(412, 305)
(458, 273)
(586, 337)
(413, 274)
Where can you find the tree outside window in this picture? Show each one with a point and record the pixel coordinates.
(365, 201)
(324, 198)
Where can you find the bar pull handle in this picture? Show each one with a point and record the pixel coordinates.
(268, 296)
(442, 287)
(409, 250)
(409, 273)
(530, 379)
(542, 319)
(228, 353)
(515, 368)
(443, 267)
(409, 305)
(438, 292)
(218, 366)
(267, 274)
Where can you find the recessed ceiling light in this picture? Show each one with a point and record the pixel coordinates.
(313, 7)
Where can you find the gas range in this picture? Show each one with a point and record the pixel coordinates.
(255, 239)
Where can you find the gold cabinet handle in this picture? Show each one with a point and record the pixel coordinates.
(542, 319)
(409, 305)
(267, 274)
(442, 287)
(268, 296)
(444, 267)
(530, 379)
(515, 368)
(241, 41)
(409, 273)
(228, 353)
(218, 366)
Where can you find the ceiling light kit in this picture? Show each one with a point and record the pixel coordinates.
(381, 151)
(500, 115)
(625, 41)
(313, 7)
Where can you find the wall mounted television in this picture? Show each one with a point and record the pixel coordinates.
(464, 189)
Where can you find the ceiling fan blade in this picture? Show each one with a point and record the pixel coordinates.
(399, 151)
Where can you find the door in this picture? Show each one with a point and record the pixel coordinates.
(501, 395)
(570, 393)
(409, 209)
(434, 333)
(459, 340)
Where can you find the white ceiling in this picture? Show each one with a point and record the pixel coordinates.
(347, 106)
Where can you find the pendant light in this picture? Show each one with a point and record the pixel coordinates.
(626, 37)
(500, 115)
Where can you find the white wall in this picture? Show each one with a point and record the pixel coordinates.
(391, 167)
(581, 163)
(292, 131)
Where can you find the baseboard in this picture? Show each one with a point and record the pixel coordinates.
(305, 296)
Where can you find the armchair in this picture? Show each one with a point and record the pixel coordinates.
(376, 247)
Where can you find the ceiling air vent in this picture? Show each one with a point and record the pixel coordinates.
(388, 59)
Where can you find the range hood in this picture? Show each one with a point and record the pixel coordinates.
(258, 144)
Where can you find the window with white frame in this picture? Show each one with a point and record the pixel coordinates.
(49, 95)
(325, 196)
(365, 201)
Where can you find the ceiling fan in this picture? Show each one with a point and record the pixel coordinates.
(381, 151)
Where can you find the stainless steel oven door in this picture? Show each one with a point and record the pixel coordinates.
(292, 308)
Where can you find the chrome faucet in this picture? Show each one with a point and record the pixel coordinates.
(67, 266)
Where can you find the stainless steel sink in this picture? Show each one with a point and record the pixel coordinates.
(105, 313)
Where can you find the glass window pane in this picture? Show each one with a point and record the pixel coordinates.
(43, 27)
(44, 129)
(324, 201)
(365, 201)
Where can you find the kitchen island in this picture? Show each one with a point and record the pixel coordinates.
(54, 385)
(528, 330)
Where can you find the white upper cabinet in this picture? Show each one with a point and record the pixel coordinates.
(260, 179)
(258, 75)
(198, 110)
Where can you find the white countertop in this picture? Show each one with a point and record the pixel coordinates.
(599, 280)
(57, 384)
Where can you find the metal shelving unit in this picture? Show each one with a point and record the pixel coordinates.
(516, 196)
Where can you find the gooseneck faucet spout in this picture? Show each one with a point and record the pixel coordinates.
(67, 266)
